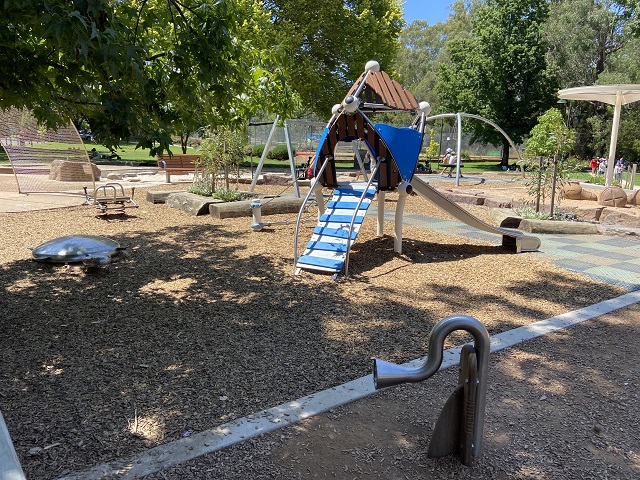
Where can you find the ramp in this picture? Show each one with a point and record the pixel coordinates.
(327, 249)
(513, 239)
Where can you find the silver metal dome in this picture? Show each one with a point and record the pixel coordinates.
(87, 249)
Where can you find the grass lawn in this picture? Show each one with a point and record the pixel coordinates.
(127, 151)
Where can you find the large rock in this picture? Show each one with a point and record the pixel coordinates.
(271, 206)
(634, 198)
(68, 171)
(620, 216)
(499, 202)
(613, 197)
(554, 226)
(190, 202)
(276, 179)
(574, 191)
(465, 198)
(503, 217)
(591, 214)
(159, 196)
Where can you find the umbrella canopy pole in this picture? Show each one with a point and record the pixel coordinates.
(614, 139)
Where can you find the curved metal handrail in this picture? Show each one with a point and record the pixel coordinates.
(478, 117)
(355, 214)
(387, 374)
(304, 205)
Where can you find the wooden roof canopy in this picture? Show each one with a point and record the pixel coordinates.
(381, 93)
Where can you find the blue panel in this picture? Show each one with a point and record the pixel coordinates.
(348, 205)
(347, 191)
(321, 262)
(404, 144)
(323, 138)
(328, 246)
(340, 218)
(334, 232)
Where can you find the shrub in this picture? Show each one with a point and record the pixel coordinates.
(258, 149)
(530, 213)
(201, 189)
(279, 152)
(228, 195)
(602, 179)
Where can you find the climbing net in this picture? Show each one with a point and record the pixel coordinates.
(45, 160)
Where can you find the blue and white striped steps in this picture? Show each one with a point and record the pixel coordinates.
(327, 249)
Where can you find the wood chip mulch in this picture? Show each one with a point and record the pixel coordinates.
(203, 321)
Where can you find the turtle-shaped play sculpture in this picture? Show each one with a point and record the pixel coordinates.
(86, 249)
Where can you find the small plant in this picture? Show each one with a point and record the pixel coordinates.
(602, 179)
(221, 150)
(531, 214)
(549, 141)
(432, 149)
(228, 195)
(201, 188)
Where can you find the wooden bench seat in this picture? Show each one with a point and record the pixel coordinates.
(178, 163)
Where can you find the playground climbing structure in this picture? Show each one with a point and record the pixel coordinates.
(392, 156)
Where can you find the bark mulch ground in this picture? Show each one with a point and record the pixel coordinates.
(203, 322)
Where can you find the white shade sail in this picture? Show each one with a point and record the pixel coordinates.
(616, 95)
(603, 93)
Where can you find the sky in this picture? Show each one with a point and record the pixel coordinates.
(433, 11)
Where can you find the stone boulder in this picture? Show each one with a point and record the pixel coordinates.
(622, 216)
(574, 191)
(68, 171)
(276, 179)
(634, 198)
(191, 203)
(613, 197)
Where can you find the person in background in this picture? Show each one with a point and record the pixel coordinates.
(447, 160)
(617, 172)
(94, 155)
(594, 166)
(602, 166)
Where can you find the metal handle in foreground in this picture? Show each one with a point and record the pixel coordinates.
(387, 374)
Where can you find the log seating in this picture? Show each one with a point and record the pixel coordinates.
(178, 163)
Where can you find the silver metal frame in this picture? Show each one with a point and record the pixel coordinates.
(387, 374)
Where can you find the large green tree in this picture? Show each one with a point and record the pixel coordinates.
(331, 41)
(500, 71)
(154, 68)
(118, 63)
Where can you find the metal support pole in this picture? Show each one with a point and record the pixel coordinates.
(264, 154)
(404, 189)
(292, 162)
(459, 151)
(614, 139)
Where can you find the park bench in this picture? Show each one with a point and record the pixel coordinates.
(178, 163)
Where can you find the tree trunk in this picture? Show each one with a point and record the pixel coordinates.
(505, 153)
(184, 138)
